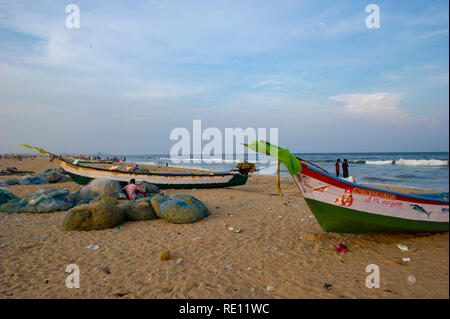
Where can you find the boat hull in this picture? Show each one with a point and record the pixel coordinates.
(83, 161)
(343, 207)
(95, 162)
(83, 175)
(336, 219)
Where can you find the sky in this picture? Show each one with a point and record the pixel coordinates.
(135, 70)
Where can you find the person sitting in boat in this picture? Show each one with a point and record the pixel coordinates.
(131, 189)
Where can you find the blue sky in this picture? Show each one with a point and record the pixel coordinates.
(135, 70)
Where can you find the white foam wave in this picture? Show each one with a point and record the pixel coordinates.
(430, 162)
(379, 162)
(214, 160)
(147, 163)
(271, 170)
(194, 167)
(178, 166)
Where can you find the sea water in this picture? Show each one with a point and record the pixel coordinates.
(428, 170)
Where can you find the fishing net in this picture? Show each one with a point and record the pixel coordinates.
(94, 216)
(6, 195)
(42, 201)
(100, 188)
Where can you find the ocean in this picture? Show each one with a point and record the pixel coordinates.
(427, 170)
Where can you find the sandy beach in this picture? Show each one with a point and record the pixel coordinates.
(281, 251)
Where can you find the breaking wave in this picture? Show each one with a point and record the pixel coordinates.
(380, 162)
(216, 160)
(430, 162)
(410, 162)
(146, 163)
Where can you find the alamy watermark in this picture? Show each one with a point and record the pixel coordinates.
(373, 280)
(73, 19)
(216, 147)
(373, 19)
(73, 280)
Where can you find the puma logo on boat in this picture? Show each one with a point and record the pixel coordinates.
(420, 209)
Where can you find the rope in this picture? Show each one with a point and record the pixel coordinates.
(317, 166)
(236, 170)
(278, 180)
(265, 167)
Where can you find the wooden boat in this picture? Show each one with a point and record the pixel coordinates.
(344, 207)
(83, 174)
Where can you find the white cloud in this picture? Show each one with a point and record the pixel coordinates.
(433, 34)
(166, 91)
(267, 83)
(382, 108)
(157, 64)
(376, 105)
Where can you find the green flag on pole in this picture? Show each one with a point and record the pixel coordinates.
(283, 155)
(40, 150)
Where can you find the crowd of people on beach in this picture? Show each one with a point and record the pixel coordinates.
(98, 158)
(18, 157)
(115, 159)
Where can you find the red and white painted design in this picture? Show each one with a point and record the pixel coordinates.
(367, 199)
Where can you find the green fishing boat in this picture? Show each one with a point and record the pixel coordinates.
(341, 206)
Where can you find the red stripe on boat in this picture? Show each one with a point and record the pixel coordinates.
(341, 184)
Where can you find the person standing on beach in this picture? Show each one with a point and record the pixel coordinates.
(345, 169)
(338, 161)
(131, 190)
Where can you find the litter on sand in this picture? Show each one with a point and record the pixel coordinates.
(327, 286)
(402, 247)
(234, 229)
(93, 247)
(165, 255)
(411, 279)
(340, 247)
(397, 261)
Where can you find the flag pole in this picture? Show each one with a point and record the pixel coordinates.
(278, 180)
